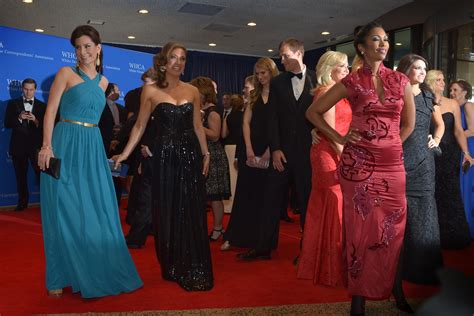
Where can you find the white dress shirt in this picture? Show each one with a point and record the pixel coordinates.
(28, 107)
(298, 84)
(227, 112)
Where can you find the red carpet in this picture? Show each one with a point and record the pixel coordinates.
(237, 284)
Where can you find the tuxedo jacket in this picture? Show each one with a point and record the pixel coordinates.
(288, 128)
(26, 136)
(132, 100)
(106, 124)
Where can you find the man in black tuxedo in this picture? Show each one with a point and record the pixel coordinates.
(24, 116)
(113, 116)
(290, 142)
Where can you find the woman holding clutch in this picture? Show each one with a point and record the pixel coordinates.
(242, 230)
(83, 239)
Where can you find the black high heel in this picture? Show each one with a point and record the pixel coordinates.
(400, 300)
(357, 306)
(397, 290)
(403, 306)
(220, 232)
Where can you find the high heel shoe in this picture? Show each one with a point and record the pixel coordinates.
(55, 293)
(226, 246)
(357, 306)
(216, 233)
(403, 306)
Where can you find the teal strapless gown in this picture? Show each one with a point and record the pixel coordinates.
(83, 239)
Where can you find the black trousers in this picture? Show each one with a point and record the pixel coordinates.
(297, 172)
(20, 164)
(140, 204)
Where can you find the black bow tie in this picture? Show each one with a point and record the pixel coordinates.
(298, 75)
(28, 101)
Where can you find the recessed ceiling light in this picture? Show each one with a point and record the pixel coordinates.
(398, 44)
(27, 1)
(96, 22)
(325, 33)
(270, 50)
(251, 24)
(131, 37)
(212, 44)
(143, 11)
(39, 30)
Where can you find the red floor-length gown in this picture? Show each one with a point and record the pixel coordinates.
(321, 253)
(372, 177)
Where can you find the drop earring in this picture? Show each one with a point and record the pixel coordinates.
(97, 62)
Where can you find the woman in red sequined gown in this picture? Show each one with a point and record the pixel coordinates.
(371, 170)
(321, 254)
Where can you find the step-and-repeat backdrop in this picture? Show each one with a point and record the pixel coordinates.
(26, 54)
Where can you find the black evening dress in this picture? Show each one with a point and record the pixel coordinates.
(421, 247)
(179, 219)
(242, 230)
(454, 230)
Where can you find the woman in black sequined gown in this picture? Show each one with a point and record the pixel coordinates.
(180, 163)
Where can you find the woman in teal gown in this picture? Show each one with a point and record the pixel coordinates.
(83, 239)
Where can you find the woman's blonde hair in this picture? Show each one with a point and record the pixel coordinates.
(263, 63)
(326, 64)
(356, 63)
(431, 77)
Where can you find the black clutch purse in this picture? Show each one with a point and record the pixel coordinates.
(54, 169)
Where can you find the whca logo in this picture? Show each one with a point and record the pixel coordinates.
(14, 82)
(136, 66)
(68, 54)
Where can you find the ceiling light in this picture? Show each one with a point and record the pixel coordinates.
(325, 33)
(39, 30)
(270, 50)
(398, 44)
(212, 44)
(27, 1)
(131, 37)
(251, 24)
(96, 22)
(143, 11)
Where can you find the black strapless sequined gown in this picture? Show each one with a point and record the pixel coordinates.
(180, 221)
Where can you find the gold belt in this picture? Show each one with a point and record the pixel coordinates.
(79, 123)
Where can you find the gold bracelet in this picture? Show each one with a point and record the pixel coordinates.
(47, 147)
(436, 137)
